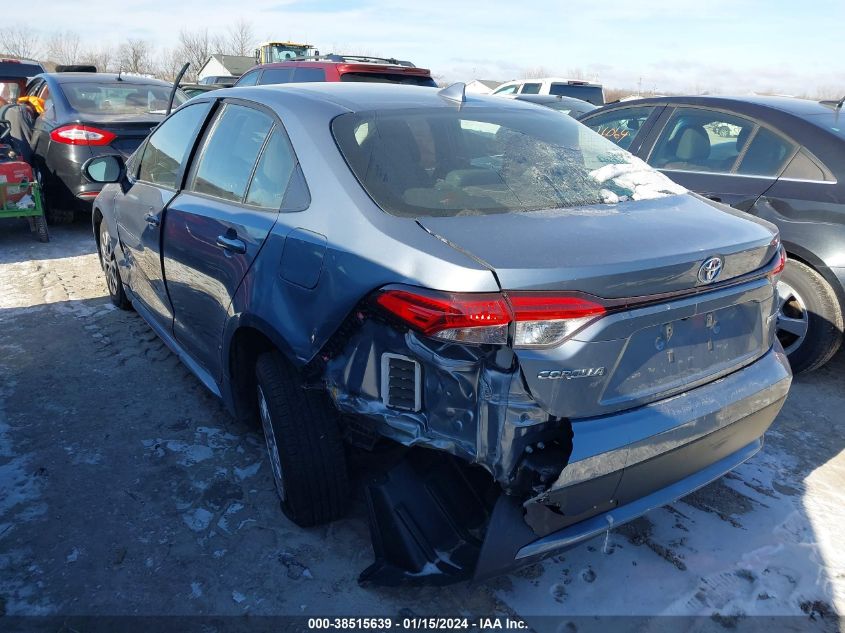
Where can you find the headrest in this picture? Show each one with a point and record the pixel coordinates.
(693, 144)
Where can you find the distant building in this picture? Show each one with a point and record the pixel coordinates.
(482, 86)
(225, 65)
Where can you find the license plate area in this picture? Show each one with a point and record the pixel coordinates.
(660, 358)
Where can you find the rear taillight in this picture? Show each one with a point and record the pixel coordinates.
(779, 264)
(539, 319)
(464, 318)
(544, 319)
(82, 135)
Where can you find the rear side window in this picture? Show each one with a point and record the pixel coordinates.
(229, 152)
(479, 161)
(620, 126)
(766, 154)
(389, 78)
(301, 74)
(718, 142)
(530, 89)
(168, 147)
(276, 76)
(590, 94)
(702, 140)
(272, 174)
(802, 167)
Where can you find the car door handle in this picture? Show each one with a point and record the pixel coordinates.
(231, 244)
(152, 219)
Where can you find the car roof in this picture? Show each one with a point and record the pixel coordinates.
(346, 65)
(558, 80)
(63, 78)
(363, 96)
(544, 99)
(792, 105)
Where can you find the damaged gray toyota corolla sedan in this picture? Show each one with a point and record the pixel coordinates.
(550, 337)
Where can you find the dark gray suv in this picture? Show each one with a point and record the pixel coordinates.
(535, 334)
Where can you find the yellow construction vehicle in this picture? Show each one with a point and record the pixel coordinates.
(269, 52)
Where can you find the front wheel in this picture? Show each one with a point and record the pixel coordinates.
(304, 444)
(809, 320)
(109, 263)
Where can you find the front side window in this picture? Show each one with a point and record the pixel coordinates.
(229, 153)
(717, 142)
(249, 79)
(620, 126)
(507, 90)
(475, 161)
(168, 147)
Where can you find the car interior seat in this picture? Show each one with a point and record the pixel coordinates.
(691, 149)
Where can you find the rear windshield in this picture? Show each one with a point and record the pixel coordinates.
(119, 98)
(474, 161)
(590, 94)
(390, 78)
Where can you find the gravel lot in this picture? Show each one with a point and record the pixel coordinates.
(126, 489)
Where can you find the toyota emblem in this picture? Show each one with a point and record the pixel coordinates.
(710, 270)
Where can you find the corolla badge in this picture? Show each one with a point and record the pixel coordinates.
(569, 374)
(710, 270)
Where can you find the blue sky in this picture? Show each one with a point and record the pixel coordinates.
(684, 45)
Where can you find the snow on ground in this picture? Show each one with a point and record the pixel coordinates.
(127, 489)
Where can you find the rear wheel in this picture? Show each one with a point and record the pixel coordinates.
(38, 225)
(304, 444)
(809, 321)
(51, 213)
(109, 263)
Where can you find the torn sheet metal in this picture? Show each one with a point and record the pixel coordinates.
(474, 403)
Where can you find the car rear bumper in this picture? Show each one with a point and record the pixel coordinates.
(632, 462)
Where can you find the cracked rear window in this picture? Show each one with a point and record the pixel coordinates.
(473, 161)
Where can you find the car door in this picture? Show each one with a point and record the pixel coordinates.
(140, 210)
(626, 126)
(217, 225)
(721, 155)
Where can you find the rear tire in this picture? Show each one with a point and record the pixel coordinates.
(53, 215)
(109, 263)
(809, 317)
(304, 444)
(40, 226)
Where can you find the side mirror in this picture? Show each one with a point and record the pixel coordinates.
(104, 169)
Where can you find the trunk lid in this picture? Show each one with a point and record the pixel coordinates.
(653, 350)
(130, 130)
(632, 249)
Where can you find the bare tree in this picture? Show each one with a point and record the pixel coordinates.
(20, 41)
(196, 47)
(169, 63)
(241, 38)
(535, 73)
(103, 58)
(64, 47)
(578, 74)
(135, 56)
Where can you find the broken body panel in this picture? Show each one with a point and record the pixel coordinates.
(656, 398)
